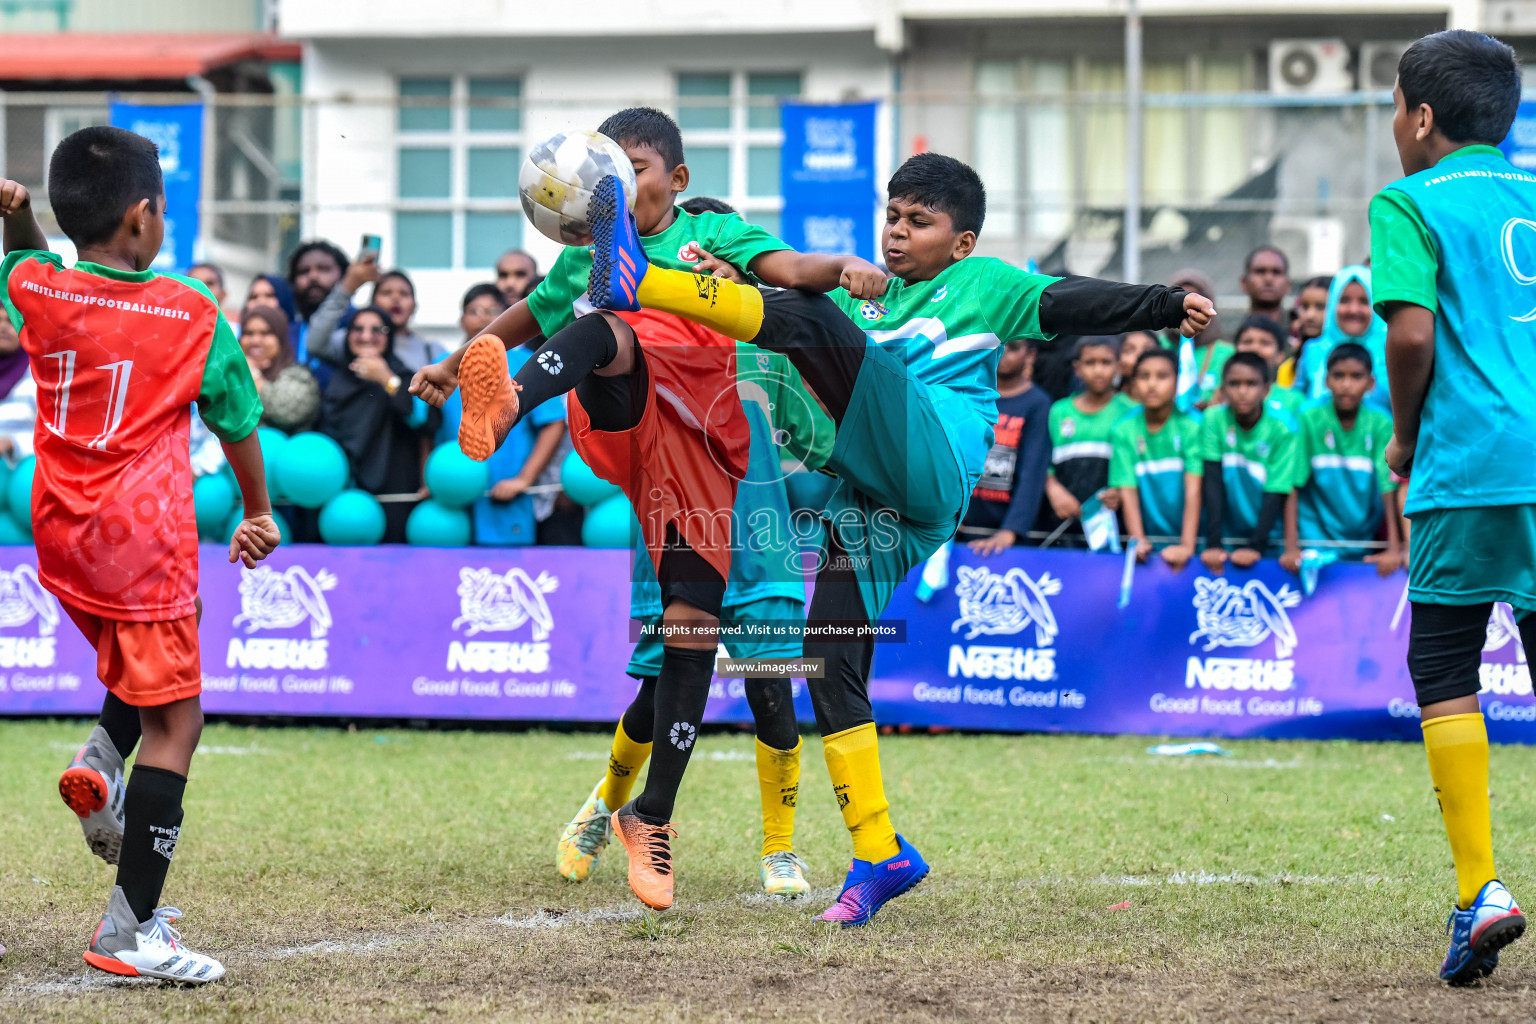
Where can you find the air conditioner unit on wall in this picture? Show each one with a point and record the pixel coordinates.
(1301, 67)
(1378, 65)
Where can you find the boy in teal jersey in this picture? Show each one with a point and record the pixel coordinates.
(1453, 251)
(1265, 338)
(908, 377)
(1080, 427)
(1156, 463)
(1343, 487)
(1249, 465)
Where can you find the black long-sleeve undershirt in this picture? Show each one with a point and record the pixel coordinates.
(1087, 305)
(1213, 499)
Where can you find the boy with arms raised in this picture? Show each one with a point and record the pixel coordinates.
(1156, 462)
(906, 370)
(1080, 428)
(1459, 346)
(120, 353)
(1343, 487)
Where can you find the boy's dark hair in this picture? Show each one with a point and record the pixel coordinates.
(96, 176)
(707, 204)
(1470, 80)
(305, 248)
(212, 268)
(1109, 341)
(1252, 360)
(944, 184)
(1168, 354)
(1263, 323)
(646, 126)
(481, 291)
(1325, 283)
(1285, 260)
(1349, 350)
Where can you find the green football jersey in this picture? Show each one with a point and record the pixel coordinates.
(1342, 474)
(1253, 463)
(1289, 402)
(1154, 462)
(1080, 444)
(562, 296)
(1209, 362)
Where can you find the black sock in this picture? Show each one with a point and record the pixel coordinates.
(639, 719)
(682, 690)
(772, 700)
(151, 826)
(121, 722)
(564, 360)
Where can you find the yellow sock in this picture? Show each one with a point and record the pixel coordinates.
(1458, 763)
(778, 776)
(624, 763)
(731, 309)
(853, 761)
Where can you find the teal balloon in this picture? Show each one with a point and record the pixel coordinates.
(584, 486)
(273, 444)
(435, 525)
(609, 524)
(18, 493)
(5, 480)
(10, 533)
(455, 479)
(213, 499)
(238, 514)
(313, 469)
(352, 518)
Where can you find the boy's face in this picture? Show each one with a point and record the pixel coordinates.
(919, 241)
(477, 316)
(1266, 281)
(1245, 390)
(1017, 360)
(1095, 367)
(1410, 130)
(1154, 383)
(1350, 382)
(1131, 349)
(514, 275)
(656, 188)
(1261, 343)
(1311, 307)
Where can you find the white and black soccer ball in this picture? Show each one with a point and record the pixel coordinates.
(558, 177)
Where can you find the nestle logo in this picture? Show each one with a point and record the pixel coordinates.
(899, 864)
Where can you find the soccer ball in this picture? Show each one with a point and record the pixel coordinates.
(558, 177)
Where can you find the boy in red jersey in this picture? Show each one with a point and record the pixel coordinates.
(119, 354)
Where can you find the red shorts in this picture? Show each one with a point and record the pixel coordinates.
(680, 464)
(146, 664)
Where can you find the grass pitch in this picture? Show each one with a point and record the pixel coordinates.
(408, 876)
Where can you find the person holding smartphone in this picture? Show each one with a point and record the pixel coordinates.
(393, 292)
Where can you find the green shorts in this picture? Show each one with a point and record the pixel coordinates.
(1472, 555)
(907, 457)
(646, 661)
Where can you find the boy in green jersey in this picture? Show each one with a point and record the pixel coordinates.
(1248, 455)
(1080, 426)
(1452, 250)
(1343, 487)
(908, 377)
(1261, 335)
(1155, 463)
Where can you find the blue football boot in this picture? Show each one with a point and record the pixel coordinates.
(869, 887)
(618, 259)
(1492, 922)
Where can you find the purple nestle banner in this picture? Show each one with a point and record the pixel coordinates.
(1026, 641)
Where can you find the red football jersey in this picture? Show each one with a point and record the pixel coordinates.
(119, 358)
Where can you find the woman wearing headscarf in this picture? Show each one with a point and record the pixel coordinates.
(18, 397)
(394, 293)
(369, 412)
(290, 396)
(1349, 317)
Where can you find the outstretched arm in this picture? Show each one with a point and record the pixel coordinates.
(435, 383)
(1087, 305)
(22, 230)
(816, 272)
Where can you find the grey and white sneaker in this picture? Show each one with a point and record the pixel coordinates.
(147, 949)
(92, 786)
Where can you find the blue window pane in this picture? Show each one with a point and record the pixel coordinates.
(505, 115)
(488, 235)
(711, 100)
(415, 117)
(766, 219)
(425, 174)
(424, 240)
(493, 172)
(764, 90)
(762, 170)
(710, 171)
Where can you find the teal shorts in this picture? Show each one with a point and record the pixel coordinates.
(907, 457)
(1471, 555)
(646, 661)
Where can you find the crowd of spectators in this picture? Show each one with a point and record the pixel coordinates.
(1263, 440)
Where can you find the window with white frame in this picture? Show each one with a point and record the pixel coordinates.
(732, 137)
(459, 143)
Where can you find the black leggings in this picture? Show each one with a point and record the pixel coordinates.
(825, 346)
(841, 696)
(770, 698)
(1445, 648)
